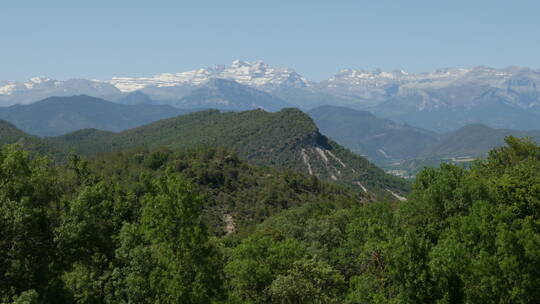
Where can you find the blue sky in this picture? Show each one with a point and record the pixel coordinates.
(100, 39)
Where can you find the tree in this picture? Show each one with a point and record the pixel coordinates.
(492, 253)
(308, 281)
(257, 262)
(29, 195)
(167, 256)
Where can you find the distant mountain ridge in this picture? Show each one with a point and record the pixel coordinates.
(256, 74)
(404, 150)
(460, 147)
(381, 140)
(226, 94)
(474, 140)
(60, 115)
(39, 88)
(442, 100)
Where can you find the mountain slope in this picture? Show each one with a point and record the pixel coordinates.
(310, 97)
(236, 194)
(136, 98)
(9, 134)
(229, 95)
(287, 140)
(473, 141)
(460, 147)
(443, 116)
(60, 115)
(381, 140)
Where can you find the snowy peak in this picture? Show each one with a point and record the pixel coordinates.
(480, 75)
(238, 63)
(260, 75)
(11, 87)
(195, 77)
(44, 84)
(38, 88)
(353, 76)
(7, 88)
(256, 74)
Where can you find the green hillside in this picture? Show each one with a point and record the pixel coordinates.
(286, 140)
(460, 147)
(404, 150)
(237, 195)
(9, 134)
(381, 140)
(474, 140)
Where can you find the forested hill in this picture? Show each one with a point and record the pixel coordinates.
(288, 139)
(9, 134)
(236, 195)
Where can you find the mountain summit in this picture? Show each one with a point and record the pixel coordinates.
(230, 95)
(256, 74)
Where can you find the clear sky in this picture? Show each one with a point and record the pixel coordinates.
(100, 39)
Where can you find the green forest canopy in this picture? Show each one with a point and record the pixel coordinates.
(143, 226)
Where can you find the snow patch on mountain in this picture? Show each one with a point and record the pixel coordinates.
(255, 74)
(435, 79)
(7, 88)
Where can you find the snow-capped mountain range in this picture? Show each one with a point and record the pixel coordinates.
(260, 75)
(256, 74)
(449, 87)
(38, 88)
(420, 99)
(499, 78)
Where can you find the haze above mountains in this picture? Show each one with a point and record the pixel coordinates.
(442, 100)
